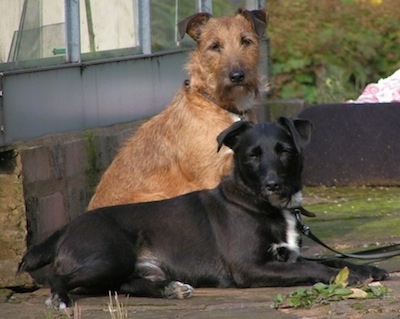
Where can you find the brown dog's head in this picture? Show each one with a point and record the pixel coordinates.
(194, 24)
(225, 63)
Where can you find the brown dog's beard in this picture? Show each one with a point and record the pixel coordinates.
(243, 98)
(239, 97)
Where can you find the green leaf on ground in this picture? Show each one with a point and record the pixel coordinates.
(321, 293)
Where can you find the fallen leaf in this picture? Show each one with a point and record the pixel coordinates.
(357, 294)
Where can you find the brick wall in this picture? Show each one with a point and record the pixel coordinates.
(45, 183)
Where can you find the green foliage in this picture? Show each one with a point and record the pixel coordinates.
(322, 293)
(327, 51)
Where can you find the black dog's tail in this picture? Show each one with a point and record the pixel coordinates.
(40, 255)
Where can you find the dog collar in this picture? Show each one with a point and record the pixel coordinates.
(230, 109)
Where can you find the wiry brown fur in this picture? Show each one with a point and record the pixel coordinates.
(175, 152)
(209, 70)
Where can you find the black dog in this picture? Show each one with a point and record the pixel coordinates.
(240, 234)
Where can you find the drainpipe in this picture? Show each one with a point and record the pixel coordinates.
(144, 26)
(204, 6)
(72, 31)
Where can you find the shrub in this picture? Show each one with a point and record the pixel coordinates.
(327, 51)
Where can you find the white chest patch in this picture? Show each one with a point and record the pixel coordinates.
(296, 200)
(292, 235)
(292, 238)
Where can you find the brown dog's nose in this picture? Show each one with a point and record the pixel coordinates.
(236, 76)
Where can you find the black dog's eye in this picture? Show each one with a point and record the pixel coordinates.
(286, 153)
(255, 152)
(283, 152)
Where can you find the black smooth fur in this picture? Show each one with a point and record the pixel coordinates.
(236, 235)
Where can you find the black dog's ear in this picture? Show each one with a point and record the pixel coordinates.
(300, 130)
(258, 18)
(230, 136)
(193, 25)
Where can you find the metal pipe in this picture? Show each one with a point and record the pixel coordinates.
(256, 4)
(145, 26)
(204, 6)
(72, 31)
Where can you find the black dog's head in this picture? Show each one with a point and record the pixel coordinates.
(268, 157)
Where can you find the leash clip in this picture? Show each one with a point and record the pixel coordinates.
(305, 229)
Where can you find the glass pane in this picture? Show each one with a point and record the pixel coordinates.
(164, 17)
(108, 28)
(166, 14)
(227, 7)
(31, 29)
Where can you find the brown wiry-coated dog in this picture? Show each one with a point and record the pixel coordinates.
(175, 152)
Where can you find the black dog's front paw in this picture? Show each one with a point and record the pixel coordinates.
(378, 273)
(178, 290)
(364, 273)
(59, 301)
(358, 273)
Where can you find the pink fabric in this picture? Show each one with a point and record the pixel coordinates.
(385, 91)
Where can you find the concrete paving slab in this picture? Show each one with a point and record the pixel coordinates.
(207, 303)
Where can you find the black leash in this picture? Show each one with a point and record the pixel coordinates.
(376, 253)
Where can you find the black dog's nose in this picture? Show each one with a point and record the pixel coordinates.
(236, 76)
(272, 185)
(272, 182)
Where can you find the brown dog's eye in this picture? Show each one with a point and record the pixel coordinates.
(215, 47)
(246, 41)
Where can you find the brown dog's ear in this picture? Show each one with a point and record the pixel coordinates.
(300, 130)
(229, 137)
(193, 25)
(258, 18)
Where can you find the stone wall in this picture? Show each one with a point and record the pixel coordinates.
(45, 183)
(12, 219)
(61, 172)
